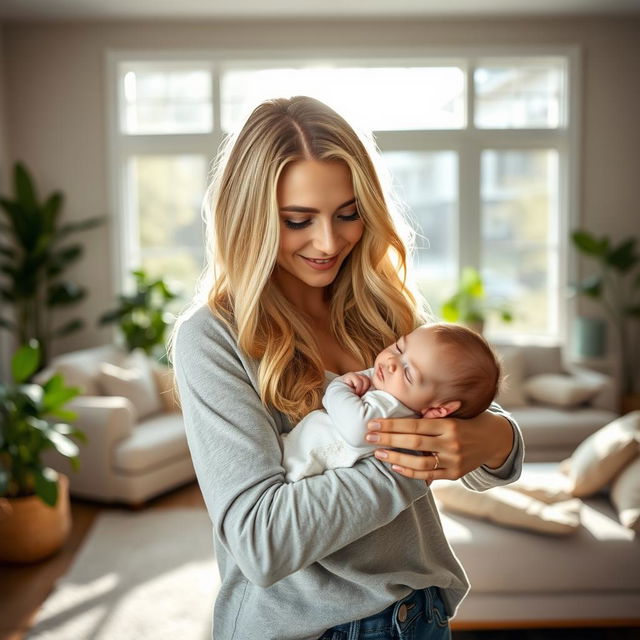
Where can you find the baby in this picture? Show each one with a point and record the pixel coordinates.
(437, 370)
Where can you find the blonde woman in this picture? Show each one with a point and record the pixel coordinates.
(307, 281)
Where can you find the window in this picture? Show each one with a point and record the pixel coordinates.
(478, 148)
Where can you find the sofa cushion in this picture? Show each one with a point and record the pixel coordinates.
(154, 442)
(601, 556)
(552, 427)
(512, 365)
(561, 390)
(597, 460)
(625, 495)
(505, 506)
(134, 380)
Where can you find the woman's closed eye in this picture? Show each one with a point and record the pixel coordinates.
(293, 224)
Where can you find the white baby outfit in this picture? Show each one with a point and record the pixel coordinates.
(334, 437)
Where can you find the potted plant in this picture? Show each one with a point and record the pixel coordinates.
(34, 500)
(616, 287)
(33, 258)
(142, 316)
(469, 304)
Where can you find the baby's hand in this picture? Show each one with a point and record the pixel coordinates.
(357, 381)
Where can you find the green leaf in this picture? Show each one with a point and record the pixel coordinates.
(5, 294)
(65, 293)
(589, 244)
(633, 311)
(8, 252)
(65, 256)
(33, 393)
(65, 414)
(63, 445)
(68, 328)
(25, 190)
(83, 225)
(623, 257)
(111, 316)
(46, 485)
(56, 393)
(4, 481)
(450, 312)
(25, 361)
(7, 324)
(472, 282)
(51, 210)
(591, 287)
(506, 315)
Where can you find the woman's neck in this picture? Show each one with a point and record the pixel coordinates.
(311, 301)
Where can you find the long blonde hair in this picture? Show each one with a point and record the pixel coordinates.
(371, 302)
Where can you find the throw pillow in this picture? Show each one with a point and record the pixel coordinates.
(77, 375)
(511, 508)
(164, 382)
(625, 495)
(561, 390)
(134, 381)
(597, 460)
(512, 363)
(550, 490)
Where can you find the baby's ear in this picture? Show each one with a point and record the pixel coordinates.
(441, 410)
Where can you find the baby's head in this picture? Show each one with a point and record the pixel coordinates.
(439, 369)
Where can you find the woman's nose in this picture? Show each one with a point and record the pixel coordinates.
(325, 239)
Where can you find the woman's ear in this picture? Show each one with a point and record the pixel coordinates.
(442, 410)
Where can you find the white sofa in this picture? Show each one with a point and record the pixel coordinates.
(123, 460)
(524, 579)
(551, 433)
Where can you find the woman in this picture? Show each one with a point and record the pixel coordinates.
(308, 282)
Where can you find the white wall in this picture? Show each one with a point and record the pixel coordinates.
(54, 86)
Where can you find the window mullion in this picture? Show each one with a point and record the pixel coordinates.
(469, 212)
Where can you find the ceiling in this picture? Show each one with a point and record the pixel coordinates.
(251, 9)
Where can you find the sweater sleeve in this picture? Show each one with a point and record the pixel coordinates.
(270, 527)
(484, 477)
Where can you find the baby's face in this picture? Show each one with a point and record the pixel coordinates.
(410, 369)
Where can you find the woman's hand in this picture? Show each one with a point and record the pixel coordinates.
(460, 445)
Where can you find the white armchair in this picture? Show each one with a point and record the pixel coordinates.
(125, 459)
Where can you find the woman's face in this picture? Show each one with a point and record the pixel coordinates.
(319, 221)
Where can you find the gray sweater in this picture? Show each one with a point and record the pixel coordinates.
(298, 558)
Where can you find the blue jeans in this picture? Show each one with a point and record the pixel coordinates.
(418, 616)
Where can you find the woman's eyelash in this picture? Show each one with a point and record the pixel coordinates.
(290, 224)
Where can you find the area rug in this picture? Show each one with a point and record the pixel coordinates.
(139, 575)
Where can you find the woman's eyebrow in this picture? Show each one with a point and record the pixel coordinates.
(297, 209)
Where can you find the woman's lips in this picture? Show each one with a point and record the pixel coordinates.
(380, 373)
(321, 264)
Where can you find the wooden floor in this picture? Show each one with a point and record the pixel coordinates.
(23, 588)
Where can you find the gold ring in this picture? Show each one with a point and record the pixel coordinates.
(435, 455)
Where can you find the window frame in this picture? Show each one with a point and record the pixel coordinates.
(468, 142)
